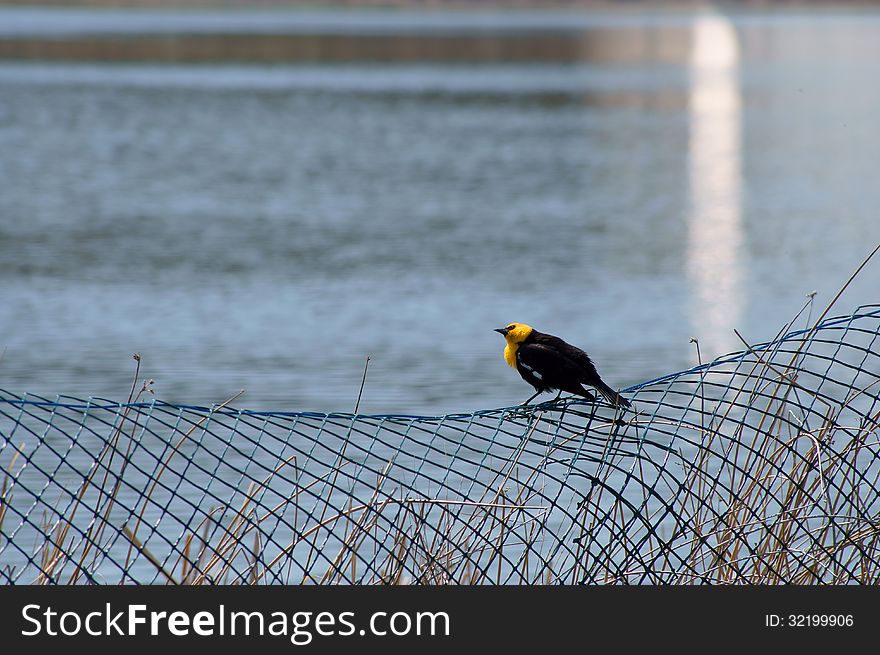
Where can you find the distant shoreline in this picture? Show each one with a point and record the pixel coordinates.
(622, 32)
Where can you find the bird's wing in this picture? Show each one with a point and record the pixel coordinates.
(571, 353)
(556, 369)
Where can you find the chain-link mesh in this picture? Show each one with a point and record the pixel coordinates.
(759, 467)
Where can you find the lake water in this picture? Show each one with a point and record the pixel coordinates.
(266, 226)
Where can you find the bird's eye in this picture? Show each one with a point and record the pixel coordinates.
(511, 326)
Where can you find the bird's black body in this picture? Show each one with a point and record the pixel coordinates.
(548, 363)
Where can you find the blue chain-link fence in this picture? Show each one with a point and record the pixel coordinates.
(759, 467)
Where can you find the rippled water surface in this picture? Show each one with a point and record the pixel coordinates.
(266, 227)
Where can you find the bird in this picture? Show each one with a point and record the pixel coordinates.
(549, 363)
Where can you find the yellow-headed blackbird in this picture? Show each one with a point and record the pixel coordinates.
(547, 362)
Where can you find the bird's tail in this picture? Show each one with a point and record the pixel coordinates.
(611, 395)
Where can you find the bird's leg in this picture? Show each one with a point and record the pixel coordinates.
(558, 396)
(531, 398)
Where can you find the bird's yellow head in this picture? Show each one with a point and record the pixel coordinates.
(514, 334)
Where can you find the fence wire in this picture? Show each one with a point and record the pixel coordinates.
(761, 466)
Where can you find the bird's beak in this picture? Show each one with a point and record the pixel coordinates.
(501, 331)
